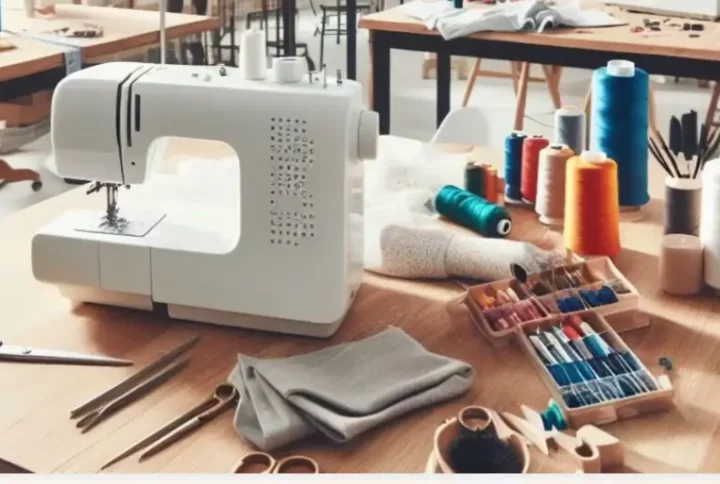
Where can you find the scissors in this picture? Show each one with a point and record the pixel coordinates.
(223, 398)
(263, 463)
(24, 354)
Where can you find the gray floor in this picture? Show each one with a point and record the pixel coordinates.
(412, 107)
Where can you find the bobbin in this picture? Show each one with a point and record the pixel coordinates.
(509, 199)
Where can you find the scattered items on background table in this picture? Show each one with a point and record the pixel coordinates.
(592, 208)
(710, 224)
(136, 386)
(25, 354)
(532, 16)
(594, 284)
(264, 463)
(6, 45)
(84, 30)
(312, 393)
(223, 398)
(619, 122)
(473, 212)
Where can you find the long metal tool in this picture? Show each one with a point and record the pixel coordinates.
(133, 380)
(222, 399)
(25, 354)
(95, 417)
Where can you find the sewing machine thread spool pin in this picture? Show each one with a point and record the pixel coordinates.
(324, 71)
(339, 77)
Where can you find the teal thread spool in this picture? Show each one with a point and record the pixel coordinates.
(475, 179)
(473, 212)
(553, 417)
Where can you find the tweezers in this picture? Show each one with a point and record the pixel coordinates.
(144, 381)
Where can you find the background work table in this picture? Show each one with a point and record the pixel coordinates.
(35, 65)
(671, 51)
(36, 432)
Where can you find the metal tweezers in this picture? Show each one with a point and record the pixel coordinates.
(24, 354)
(141, 383)
(222, 399)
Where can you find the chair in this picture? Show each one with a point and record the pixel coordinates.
(463, 126)
(337, 10)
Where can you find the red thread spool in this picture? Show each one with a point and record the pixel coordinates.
(530, 160)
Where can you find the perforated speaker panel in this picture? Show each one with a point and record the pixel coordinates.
(292, 158)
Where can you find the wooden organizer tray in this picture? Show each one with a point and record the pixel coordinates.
(622, 315)
(659, 398)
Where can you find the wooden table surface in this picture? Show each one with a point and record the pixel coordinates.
(123, 30)
(36, 433)
(669, 41)
(29, 56)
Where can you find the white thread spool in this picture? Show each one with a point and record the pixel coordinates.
(710, 223)
(550, 202)
(253, 59)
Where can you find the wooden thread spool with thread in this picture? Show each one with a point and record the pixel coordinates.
(592, 207)
(550, 202)
(530, 159)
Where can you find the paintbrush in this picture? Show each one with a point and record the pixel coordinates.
(658, 156)
(668, 153)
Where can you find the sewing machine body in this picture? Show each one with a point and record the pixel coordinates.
(284, 254)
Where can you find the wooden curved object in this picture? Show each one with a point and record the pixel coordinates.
(448, 432)
(8, 174)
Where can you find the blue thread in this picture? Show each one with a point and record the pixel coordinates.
(619, 129)
(570, 304)
(473, 212)
(513, 164)
(553, 417)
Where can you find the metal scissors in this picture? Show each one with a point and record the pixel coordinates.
(25, 354)
(223, 398)
(263, 463)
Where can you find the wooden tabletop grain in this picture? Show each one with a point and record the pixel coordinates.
(670, 41)
(36, 432)
(123, 30)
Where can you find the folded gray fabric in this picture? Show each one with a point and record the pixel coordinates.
(341, 391)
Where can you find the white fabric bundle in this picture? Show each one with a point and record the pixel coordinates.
(528, 15)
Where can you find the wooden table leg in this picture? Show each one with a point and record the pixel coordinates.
(522, 97)
(515, 68)
(471, 82)
(586, 108)
(552, 78)
(652, 120)
(712, 107)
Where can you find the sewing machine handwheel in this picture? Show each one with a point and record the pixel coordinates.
(36, 185)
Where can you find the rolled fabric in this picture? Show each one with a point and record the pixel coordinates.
(433, 253)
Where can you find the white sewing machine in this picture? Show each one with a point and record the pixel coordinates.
(283, 253)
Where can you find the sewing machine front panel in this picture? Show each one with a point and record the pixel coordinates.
(294, 146)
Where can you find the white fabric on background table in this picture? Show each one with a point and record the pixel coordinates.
(527, 15)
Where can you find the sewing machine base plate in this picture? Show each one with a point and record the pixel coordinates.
(133, 223)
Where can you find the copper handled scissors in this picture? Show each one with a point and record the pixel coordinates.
(223, 398)
(25, 354)
(263, 463)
